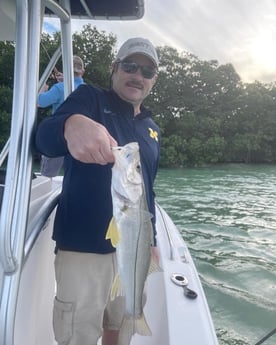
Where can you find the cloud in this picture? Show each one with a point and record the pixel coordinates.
(51, 26)
(241, 32)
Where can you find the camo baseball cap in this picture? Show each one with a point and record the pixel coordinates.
(138, 45)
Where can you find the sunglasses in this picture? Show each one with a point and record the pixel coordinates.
(132, 67)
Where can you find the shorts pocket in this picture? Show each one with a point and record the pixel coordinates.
(63, 321)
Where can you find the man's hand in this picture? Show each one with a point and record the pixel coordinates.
(59, 76)
(44, 88)
(88, 141)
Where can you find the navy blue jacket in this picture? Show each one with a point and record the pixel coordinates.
(85, 205)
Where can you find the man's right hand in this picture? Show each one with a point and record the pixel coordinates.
(88, 141)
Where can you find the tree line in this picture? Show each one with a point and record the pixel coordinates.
(206, 113)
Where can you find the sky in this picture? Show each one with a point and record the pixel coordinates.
(240, 32)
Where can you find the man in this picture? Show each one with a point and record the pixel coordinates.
(84, 129)
(54, 97)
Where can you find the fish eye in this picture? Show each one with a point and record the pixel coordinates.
(138, 166)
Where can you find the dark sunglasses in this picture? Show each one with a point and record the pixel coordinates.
(132, 67)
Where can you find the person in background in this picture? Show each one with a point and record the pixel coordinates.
(84, 129)
(54, 97)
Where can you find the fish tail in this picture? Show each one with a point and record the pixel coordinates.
(130, 326)
(126, 331)
(154, 266)
(141, 326)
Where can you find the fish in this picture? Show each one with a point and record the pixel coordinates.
(131, 233)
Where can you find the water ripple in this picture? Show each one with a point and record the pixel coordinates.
(227, 216)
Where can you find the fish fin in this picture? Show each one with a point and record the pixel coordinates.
(154, 266)
(141, 326)
(126, 332)
(117, 288)
(130, 326)
(112, 233)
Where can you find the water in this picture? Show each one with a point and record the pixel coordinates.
(227, 216)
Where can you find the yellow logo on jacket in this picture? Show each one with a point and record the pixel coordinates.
(153, 134)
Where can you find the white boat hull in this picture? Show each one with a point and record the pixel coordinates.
(173, 318)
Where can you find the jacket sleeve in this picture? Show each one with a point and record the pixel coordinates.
(49, 136)
(48, 98)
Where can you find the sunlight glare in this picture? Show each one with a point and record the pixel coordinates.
(263, 51)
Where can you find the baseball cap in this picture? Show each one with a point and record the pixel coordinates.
(138, 45)
(78, 64)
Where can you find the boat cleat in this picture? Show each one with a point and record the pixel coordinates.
(180, 280)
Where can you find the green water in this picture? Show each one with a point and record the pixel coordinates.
(227, 216)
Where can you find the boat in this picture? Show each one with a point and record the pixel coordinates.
(176, 309)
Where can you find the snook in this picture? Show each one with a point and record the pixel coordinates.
(131, 232)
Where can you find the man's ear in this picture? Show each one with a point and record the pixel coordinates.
(114, 67)
(155, 79)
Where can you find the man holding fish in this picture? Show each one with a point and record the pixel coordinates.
(111, 147)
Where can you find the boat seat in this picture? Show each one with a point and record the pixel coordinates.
(2, 185)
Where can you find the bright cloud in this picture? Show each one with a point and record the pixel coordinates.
(241, 32)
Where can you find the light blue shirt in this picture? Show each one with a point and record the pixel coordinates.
(55, 96)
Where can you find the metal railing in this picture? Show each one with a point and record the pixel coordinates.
(14, 247)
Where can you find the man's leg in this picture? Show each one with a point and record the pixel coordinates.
(83, 285)
(113, 315)
(110, 337)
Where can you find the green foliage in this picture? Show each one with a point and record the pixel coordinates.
(173, 151)
(206, 114)
(97, 51)
(6, 62)
(207, 106)
(94, 47)
(5, 113)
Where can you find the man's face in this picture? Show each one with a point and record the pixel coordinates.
(133, 87)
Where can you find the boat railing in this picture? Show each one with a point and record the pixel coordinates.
(4, 152)
(17, 233)
(19, 166)
(52, 62)
(17, 162)
(14, 244)
(170, 240)
(39, 221)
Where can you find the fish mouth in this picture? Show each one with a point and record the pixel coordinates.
(116, 148)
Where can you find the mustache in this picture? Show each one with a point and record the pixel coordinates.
(135, 83)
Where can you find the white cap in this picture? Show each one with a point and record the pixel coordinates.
(78, 64)
(138, 45)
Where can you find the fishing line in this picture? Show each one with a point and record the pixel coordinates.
(266, 337)
(49, 58)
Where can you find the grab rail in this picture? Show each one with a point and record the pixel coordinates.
(4, 152)
(11, 282)
(13, 223)
(39, 221)
(7, 229)
(171, 246)
(60, 12)
(19, 169)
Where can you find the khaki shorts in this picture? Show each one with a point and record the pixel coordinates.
(82, 306)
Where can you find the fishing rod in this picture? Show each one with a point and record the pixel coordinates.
(266, 337)
(55, 72)
(47, 72)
